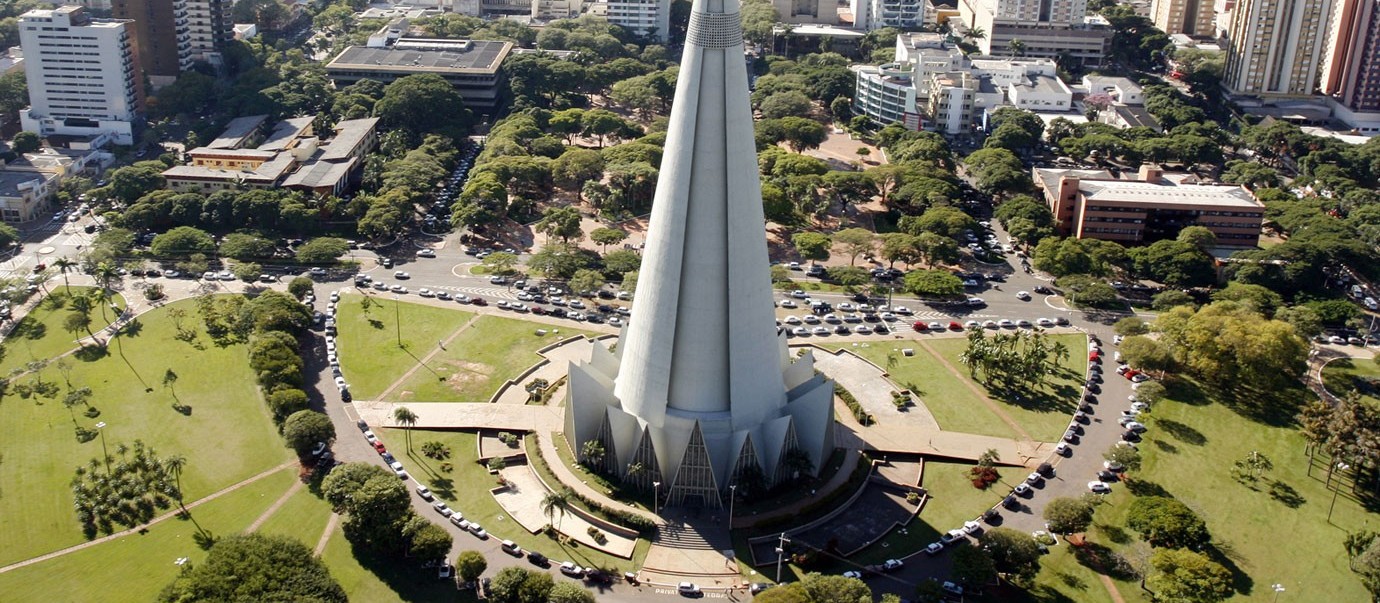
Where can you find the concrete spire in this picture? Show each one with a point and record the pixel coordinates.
(701, 371)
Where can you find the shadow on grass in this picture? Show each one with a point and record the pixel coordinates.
(1182, 432)
(30, 329)
(133, 328)
(1225, 554)
(407, 578)
(1164, 446)
(90, 353)
(1286, 494)
(1113, 533)
(1103, 560)
(1141, 487)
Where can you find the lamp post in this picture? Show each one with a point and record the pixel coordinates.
(1339, 467)
(105, 456)
(1278, 588)
(656, 499)
(780, 555)
(397, 318)
(732, 496)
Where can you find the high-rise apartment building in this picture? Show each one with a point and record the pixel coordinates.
(209, 28)
(1188, 17)
(650, 18)
(1351, 71)
(161, 35)
(876, 14)
(1045, 28)
(82, 75)
(1276, 47)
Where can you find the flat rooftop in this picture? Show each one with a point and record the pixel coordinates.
(10, 181)
(284, 132)
(480, 56)
(348, 134)
(236, 131)
(1217, 195)
(1136, 116)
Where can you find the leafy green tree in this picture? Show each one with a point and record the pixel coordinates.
(1167, 523)
(1127, 456)
(559, 261)
(973, 566)
(563, 222)
(800, 133)
(182, 241)
(1013, 553)
(1089, 292)
(25, 142)
(1165, 300)
(785, 104)
(1229, 342)
(1183, 575)
(470, 565)
(520, 585)
(410, 104)
(426, 540)
(8, 236)
(1256, 297)
(849, 276)
(812, 246)
(1068, 515)
(300, 287)
(131, 182)
(1366, 562)
(247, 271)
(855, 241)
(242, 246)
(997, 171)
(900, 247)
(606, 236)
(1131, 325)
(935, 249)
(1146, 354)
(1063, 257)
(322, 250)
(284, 402)
(569, 592)
(586, 280)
(256, 567)
(945, 221)
(933, 283)
(501, 263)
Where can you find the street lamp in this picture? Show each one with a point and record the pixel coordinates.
(397, 318)
(1278, 588)
(732, 495)
(780, 554)
(105, 456)
(1340, 467)
(656, 498)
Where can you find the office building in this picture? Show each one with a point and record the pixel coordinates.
(472, 66)
(82, 76)
(161, 37)
(1045, 28)
(1189, 17)
(1154, 205)
(647, 18)
(1277, 47)
(876, 14)
(702, 392)
(1351, 72)
(209, 28)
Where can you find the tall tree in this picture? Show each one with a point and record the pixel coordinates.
(405, 417)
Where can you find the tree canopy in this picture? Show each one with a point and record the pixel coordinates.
(256, 567)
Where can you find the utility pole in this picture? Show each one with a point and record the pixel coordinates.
(732, 495)
(656, 499)
(397, 318)
(780, 555)
(105, 455)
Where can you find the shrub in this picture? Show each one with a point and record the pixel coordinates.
(859, 413)
(435, 450)
(983, 477)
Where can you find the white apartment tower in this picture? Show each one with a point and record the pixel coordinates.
(209, 27)
(82, 74)
(651, 18)
(1188, 17)
(1277, 47)
(1065, 12)
(876, 14)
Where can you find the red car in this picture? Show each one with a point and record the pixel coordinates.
(955, 326)
(1093, 356)
(379, 447)
(920, 326)
(1130, 373)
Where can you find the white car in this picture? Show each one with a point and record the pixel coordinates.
(1007, 323)
(810, 319)
(1113, 466)
(1023, 295)
(424, 292)
(1140, 378)
(1063, 449)
(425, 493)
(1045, 322)
(791, 320)
(789, 303)
(441, 508)
(398, 470)
(574, 571)
(971, 527)
(799, 294)
(934, 548)
(688, 588)
(1099, 487)
(401, 275)
(426, 253)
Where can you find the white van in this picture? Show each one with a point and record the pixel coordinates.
(1370, 303)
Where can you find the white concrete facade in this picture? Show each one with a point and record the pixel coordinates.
(876, 14)
(81, 73)
(650, 18)
(1277, 47)
(702, 392)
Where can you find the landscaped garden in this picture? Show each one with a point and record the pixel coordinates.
(146, 385)
(42, 334)
(941, 381)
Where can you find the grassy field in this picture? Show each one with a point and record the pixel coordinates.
(466, 488)
(365, 578)
(1343, 375)
(1274, 531)
(369, 352)
(957, 407)
(135, 567)
(40, 335)
(304, 517)
(227, 436)
(478, 361)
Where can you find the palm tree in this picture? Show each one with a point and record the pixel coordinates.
(105, 274)
(405, 417)
(975, 33)
(174, 465)
(64, 264)
(556, 502)
(1016, 47)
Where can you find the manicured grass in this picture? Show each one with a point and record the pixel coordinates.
(953, 499)
(1345, 374)
(226, 437)
(40, 335)
(135, 568)
(1046, 416)
(1062, 578)
(640, 499)
(303, 517)
(368, 341)
(1285, 538)
(466, 489)
(478, 361)
(365, 578)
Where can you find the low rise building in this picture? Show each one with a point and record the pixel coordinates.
(471, 66)
(290, 155)
(1149, 206)
(1117, 89)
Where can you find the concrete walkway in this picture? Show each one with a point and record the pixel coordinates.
(871, 387)
(522, 499)
(555, 364)
(568, 477)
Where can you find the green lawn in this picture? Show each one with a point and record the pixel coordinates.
(40, 335)
(1267, 537)
(1343, 375)
(369, 352)
(135, 568)
(477, 362)
(466, 488)
(958, 408)
(1063, 579)
(226, 437)
(366, 578)
(303, 517)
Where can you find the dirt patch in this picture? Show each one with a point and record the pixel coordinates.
(406, 395)
(465, 373)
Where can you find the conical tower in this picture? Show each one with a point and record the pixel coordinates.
(702, 379)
